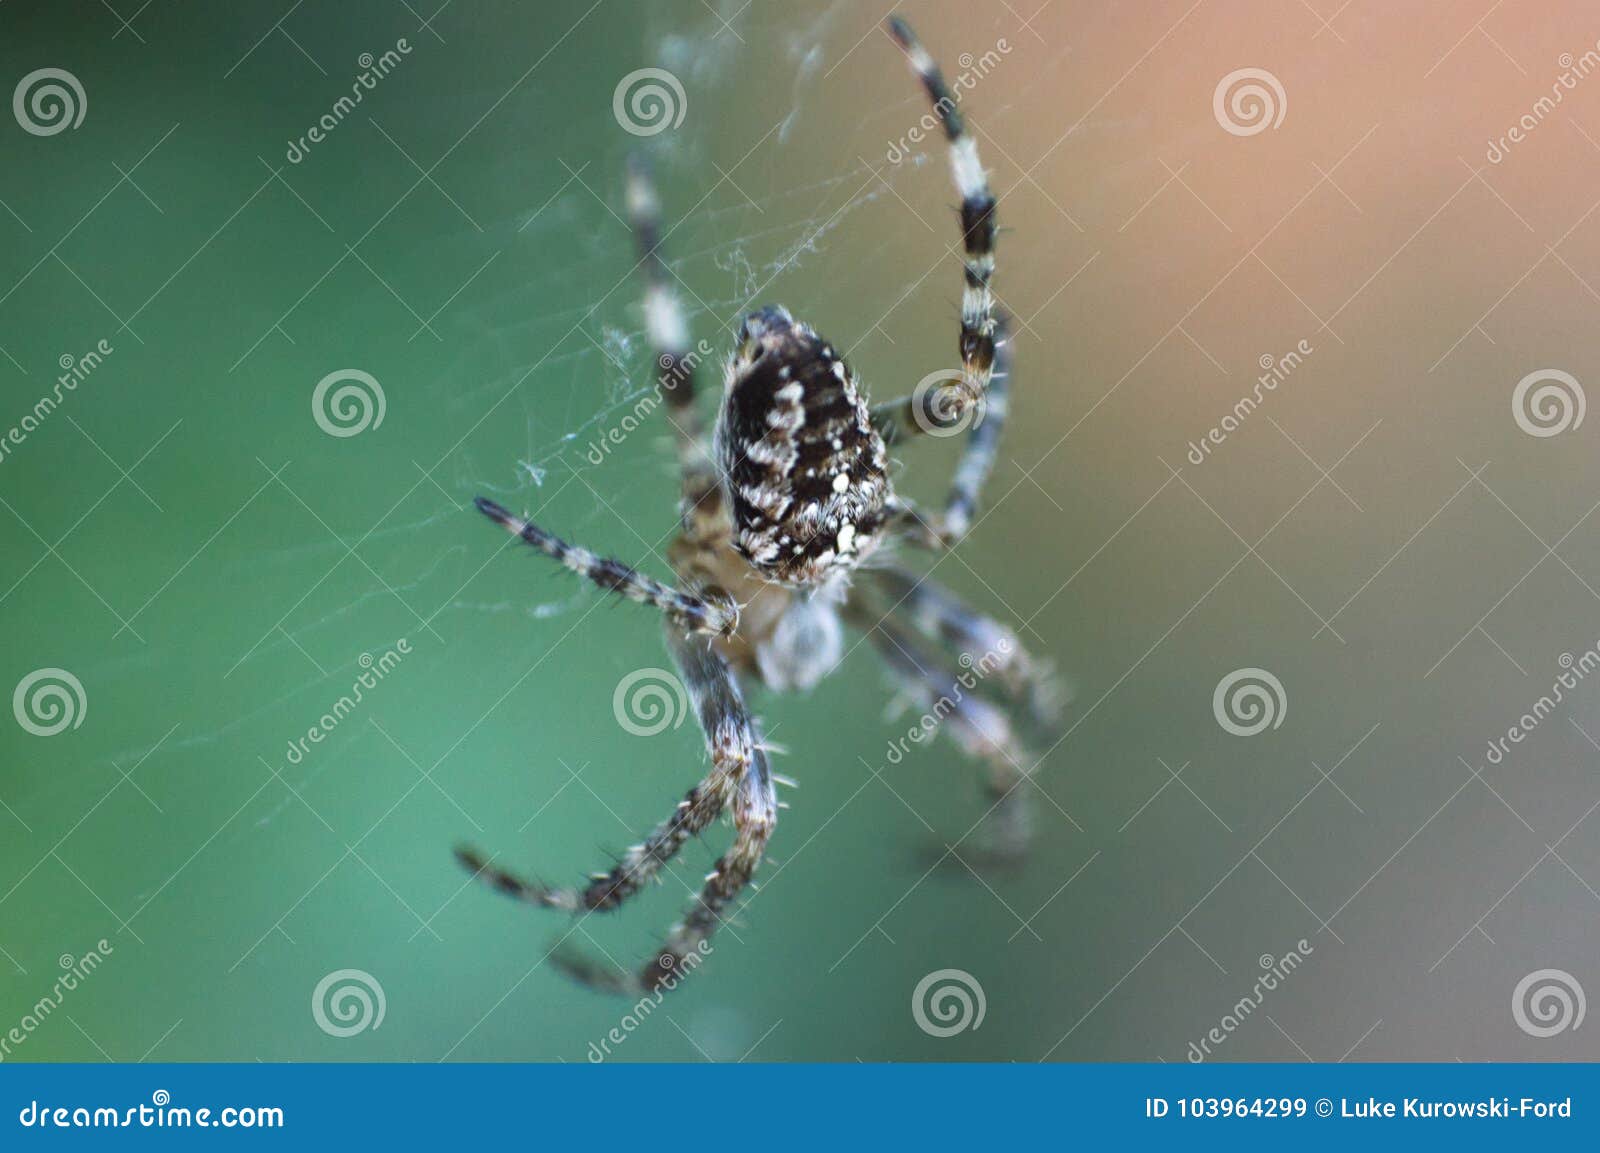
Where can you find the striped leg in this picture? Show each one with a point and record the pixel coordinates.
(709, 611)
(929, 413)
(738, 775)
(981, 642)
(746, 781)
(982, 730)
(676, 361)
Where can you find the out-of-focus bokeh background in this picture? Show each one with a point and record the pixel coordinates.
(1392, 542)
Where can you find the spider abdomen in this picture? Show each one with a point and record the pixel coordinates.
(804, 468)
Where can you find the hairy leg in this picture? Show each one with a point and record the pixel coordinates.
(675, 360)
(979, 728)
(981, 642)
(706, 611)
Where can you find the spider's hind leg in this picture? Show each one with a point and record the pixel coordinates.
(980, 728)
(982, 643)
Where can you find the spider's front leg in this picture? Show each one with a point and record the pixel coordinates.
(708, 610)
(984, 342)
(739, 774)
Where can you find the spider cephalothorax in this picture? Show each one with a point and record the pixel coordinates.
(804, 469)
(776, 509)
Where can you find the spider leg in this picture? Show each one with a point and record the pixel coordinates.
(981, 642)
(739, 775)
(930, 412)
(709, 610)
(982, 330)
(669, 337)
(981, 729)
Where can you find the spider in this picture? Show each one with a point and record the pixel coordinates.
(789, 499)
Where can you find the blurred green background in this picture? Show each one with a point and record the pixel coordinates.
(216, 570)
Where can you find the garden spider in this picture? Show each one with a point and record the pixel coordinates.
(788, 500)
